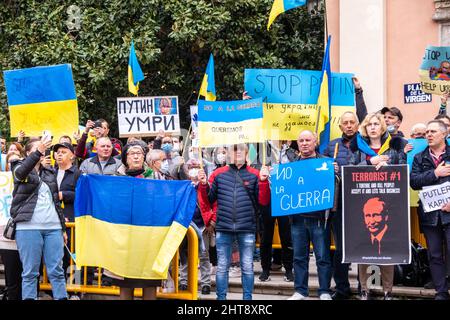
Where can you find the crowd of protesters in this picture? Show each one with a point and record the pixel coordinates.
(233, 208)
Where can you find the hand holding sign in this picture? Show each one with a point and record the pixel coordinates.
(264, 173)
(202, 176)
(442, 170)
(446, 207)
(377, 159)
(408, 147)
(444, 98)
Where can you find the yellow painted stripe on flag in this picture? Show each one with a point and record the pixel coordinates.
(60, 117)
(168, 248)
(209, 96)
(323, 101)
(131, 87)
(220, 133)
(128, 251)
(277, 9)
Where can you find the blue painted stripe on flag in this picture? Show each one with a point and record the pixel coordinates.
(135, 201)
(39, 84)
(291, 4)
(232, 111)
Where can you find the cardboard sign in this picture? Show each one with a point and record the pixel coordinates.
(145, 116)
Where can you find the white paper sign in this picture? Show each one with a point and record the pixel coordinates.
(146, 116)
(434, 197)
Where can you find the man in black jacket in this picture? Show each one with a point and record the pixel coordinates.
(430, 168)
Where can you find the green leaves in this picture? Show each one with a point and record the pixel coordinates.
(173, 40)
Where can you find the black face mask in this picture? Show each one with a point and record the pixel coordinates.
(420, 138)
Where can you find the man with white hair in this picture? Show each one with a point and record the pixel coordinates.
(418, 131)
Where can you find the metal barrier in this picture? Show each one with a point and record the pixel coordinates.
(416, 235)
(189, 294)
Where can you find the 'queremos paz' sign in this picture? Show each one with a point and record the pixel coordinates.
(146, 116)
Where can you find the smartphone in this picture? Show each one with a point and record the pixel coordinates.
(47, 133)
(47, 152)
(97, 124)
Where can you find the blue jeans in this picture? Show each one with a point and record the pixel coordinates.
(246, 242)
(32, 244)
(305, 230)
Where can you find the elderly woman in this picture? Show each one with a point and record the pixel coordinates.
(388, 151)
(36, 209)
(133, 157)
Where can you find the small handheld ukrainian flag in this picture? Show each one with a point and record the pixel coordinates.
(323, 102)
(135, 74)
(208, 87)
(280, 6)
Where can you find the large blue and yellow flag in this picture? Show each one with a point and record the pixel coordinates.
(135, 74)
(280, 6)
(208, 87)
(323, 103)
(364, 146)
(42, 98)
(131, 226)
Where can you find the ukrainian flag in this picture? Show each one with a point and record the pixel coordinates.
(363, 146)
(135, 74)
(42, 98)
(323, 103)
(280, 6)
(208, 87)
(131, 226)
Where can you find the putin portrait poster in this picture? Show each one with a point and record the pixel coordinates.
(375, 215)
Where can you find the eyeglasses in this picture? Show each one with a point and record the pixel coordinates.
(135, 153)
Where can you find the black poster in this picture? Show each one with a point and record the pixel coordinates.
(375, 217)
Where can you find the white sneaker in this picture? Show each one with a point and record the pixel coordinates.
(325, 296)
(74, 297)
(297, 296)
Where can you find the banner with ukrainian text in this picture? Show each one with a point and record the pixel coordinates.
(290, 100)
(42, 98)
(435, 70)
(302, 186)
(375, 215)
(230, 122)
(131, 226)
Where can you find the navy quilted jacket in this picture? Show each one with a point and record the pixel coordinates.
(235, 212)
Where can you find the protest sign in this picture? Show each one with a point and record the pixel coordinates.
(414, 94)
(290, 100)
(302, 186)
(42, 98)
(194, 125)
(435, 70)
(229, 122)
(6, 188)
(145, 116)
(434, 197)
(376, 219)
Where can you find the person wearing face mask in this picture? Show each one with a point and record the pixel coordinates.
(174, 160)
(157, 161)
(393, 118)
(204, 220)
(418, 131)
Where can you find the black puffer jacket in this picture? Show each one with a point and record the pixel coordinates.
(235, 211)
(422, 174)
(26, 180)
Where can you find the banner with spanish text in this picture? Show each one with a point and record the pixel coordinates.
(230, 122)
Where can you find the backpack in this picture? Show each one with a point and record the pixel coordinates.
(417, 273)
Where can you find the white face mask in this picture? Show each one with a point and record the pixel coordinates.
(165, 166)
(176, 147)
(193, 173)
(222, 158)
